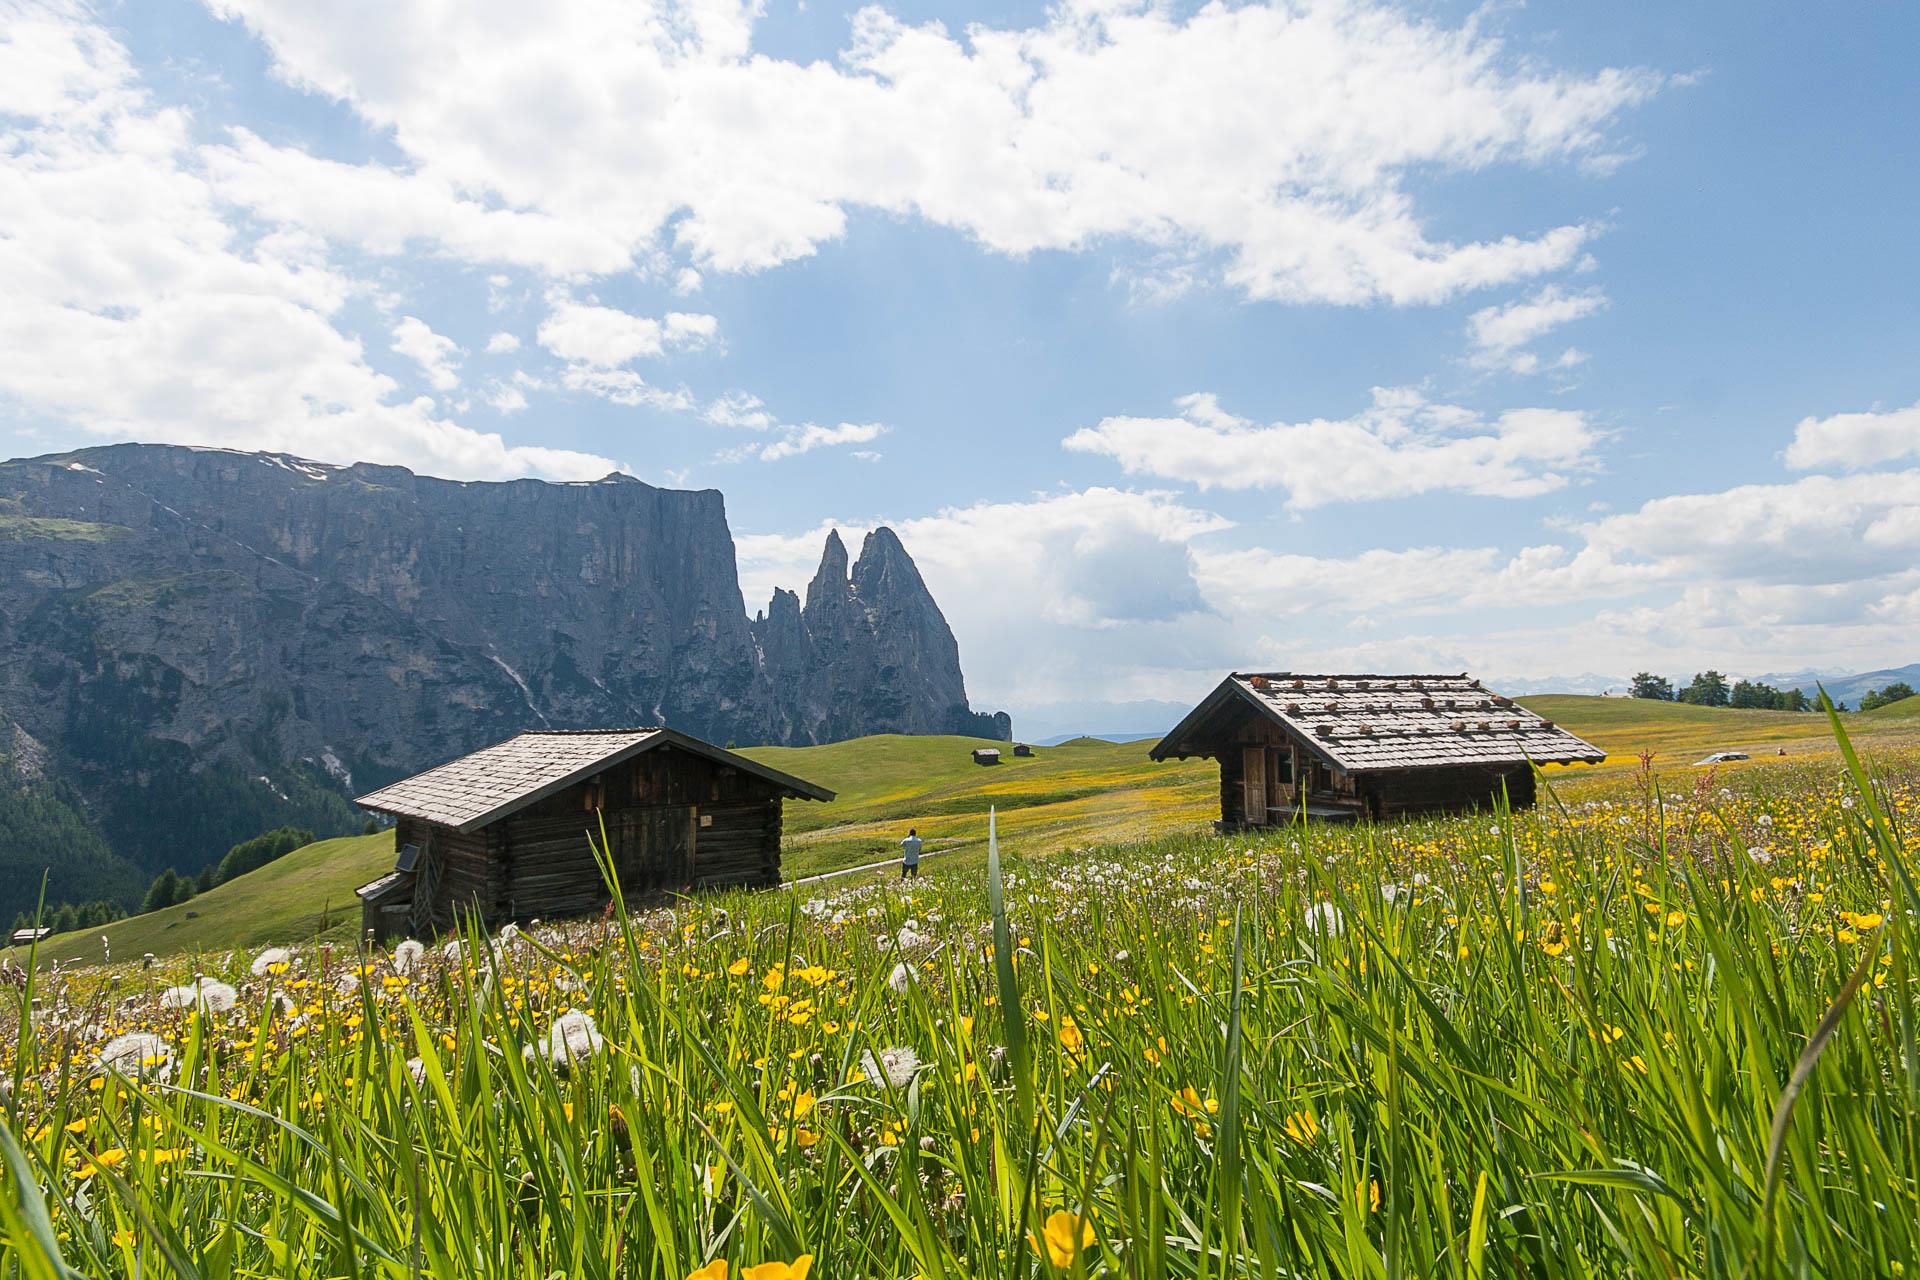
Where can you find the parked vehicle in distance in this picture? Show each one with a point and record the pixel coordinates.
(1721, 757)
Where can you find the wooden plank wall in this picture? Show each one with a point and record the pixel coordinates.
(1451, 790)
(741, 846)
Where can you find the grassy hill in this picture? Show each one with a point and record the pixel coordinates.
(1080, 793)
(306, 893)
(1677, 733)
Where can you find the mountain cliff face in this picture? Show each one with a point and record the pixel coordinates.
(867, 649)
(207, 643)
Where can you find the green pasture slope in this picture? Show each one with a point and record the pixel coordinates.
(1078, 794)
(1678, 734)
(293, 899)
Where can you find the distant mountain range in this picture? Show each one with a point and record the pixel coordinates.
(1845, 688)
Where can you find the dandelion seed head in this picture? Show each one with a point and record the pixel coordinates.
(574, 1037)
(895, 1064)
(408, 955)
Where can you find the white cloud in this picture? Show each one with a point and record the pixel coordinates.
(388, 211)
(1500, 335)
(687, 329)
(505, 397)
(1817, 530)
(1402, 444)
(134, 309)
(433, 352)
(808, 437)
(604, 337)
(1853, 440)
(740, 409)
(502, 344)
(1273, 143)
(625, 387)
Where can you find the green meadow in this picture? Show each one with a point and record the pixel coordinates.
(1666, 1026)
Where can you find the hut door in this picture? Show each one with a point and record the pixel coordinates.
(667, 845)
(1253, 776)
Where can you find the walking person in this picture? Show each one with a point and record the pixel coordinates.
(910, 854)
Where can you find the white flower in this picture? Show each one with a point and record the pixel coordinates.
(417, 1068)
(214, 997)
(574, 1037)
(453, 951)
(895, 1065)
(407, 956)
(1324, 917)
(134, 1053)
(901, 978)
(272, 960)
(1390, 893)
(509, 934)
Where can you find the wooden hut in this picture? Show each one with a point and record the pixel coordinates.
(1343, 746)
(1022, 750)
(508, 832)
(986, 755)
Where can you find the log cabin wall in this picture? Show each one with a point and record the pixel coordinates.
(1446, 790)
(738, 844)
(672, 821)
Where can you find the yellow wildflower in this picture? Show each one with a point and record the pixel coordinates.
(1065, 1235)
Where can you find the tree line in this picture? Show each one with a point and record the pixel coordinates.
(170, 888)
(1712, 689)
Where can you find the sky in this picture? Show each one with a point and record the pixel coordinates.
(1535, 341)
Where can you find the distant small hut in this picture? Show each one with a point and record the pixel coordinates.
(1343, 746)
(507, 833)
(28, 936)
(1022, 749)
(986, 755)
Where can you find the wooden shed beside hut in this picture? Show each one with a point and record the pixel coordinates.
(1343, 746)
(507, 833)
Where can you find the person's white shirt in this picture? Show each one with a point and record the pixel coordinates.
(910, 851)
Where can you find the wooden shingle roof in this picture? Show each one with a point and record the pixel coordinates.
(478, 789)
(1377, 723)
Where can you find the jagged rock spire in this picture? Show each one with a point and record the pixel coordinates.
(869, 652)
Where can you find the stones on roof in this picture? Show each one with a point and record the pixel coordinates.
(1366, 723)
(497, 779)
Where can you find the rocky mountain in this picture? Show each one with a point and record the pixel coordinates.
(867, 648)
(205, 643)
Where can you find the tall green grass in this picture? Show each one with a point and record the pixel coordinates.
(1647, 1034)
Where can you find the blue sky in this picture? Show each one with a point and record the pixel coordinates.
(1528, 340)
